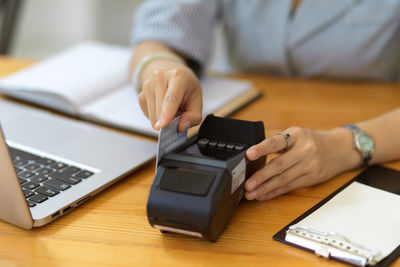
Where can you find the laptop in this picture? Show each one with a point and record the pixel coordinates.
(51, 164)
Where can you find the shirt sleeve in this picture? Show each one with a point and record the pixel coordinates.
(187, 26)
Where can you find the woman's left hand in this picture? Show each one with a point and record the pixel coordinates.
(311, 157)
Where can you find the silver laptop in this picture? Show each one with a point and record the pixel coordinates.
(51, 164)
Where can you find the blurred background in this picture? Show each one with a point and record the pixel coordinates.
(36, 29)
(43, 27)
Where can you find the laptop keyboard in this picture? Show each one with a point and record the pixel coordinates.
(42, 178)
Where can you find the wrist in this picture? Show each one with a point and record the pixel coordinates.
(339, 144)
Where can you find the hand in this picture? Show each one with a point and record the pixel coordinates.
(170, 89)
(312, 157)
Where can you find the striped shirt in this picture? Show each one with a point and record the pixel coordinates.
(324, 38)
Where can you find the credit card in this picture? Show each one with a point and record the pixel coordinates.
(169, 139)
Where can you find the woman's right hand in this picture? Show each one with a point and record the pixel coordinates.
(170, 89)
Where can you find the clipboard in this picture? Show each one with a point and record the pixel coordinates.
(326, 244)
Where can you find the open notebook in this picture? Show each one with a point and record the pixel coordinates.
(91, 80)
(358, 224)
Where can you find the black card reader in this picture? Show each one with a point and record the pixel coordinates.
(198, 186)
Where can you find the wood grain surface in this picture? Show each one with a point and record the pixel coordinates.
(112, 228)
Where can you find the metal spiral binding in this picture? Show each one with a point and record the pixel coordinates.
(331, 245)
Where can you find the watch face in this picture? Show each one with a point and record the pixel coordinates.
(366, 143)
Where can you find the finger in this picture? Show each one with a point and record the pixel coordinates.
(188, 120)
(191, 111)
(280, 180)
(297, 183)
(148, 90)
(172, 101)
(276, 166)
(143, 105)
(270, 145)
(160, 90)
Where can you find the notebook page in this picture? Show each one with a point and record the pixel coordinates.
(78, 74)
(363, 214)
(120, 107)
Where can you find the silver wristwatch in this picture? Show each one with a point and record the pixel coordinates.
(362, 143)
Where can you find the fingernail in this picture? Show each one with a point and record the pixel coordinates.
(252, 153)
(160, 121)
(251, 184)
(157, 125)
(185, 125)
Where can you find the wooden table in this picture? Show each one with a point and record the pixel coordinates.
(112, 228)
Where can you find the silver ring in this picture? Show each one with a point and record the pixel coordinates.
(287, 137)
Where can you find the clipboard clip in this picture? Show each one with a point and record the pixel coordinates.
(332, 245)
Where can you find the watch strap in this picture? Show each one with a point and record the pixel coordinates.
(356, 131)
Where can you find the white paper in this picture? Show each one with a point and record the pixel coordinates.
(218, 92)
(91, 80)
(121, 107)
(363, 214)
(79, 74)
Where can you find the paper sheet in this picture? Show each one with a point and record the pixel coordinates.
(363, 214)
(121, 108)
(79, 74)
(91, 80)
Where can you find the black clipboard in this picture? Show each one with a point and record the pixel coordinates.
(376, 176)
